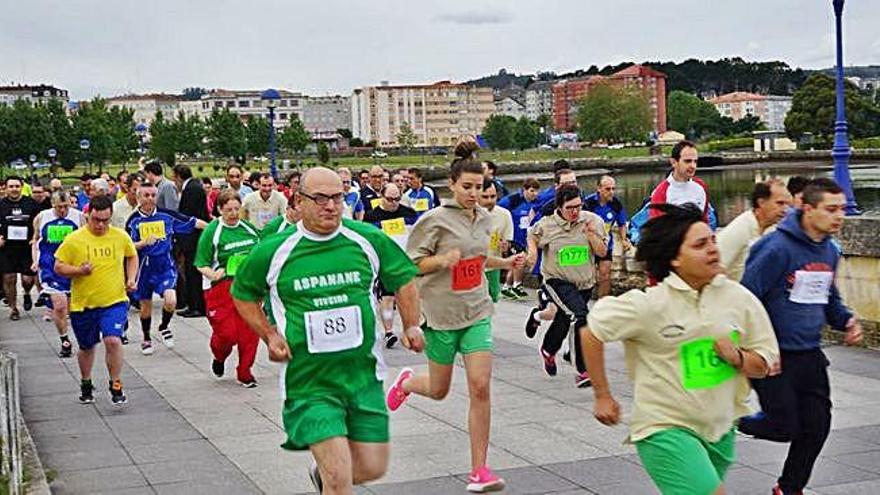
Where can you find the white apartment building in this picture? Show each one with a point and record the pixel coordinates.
(247, 103)
(146, 106)
(510, 106)
(41, 93)
(539, 99)
(327, 113)
(771, 109)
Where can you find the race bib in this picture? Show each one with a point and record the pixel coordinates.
(16, 233)
(811, 287)
(574, 255)
(467, 274)
(375, 202)
(264, 216)
(393, 227)
(155, 229)
(701, 367)
(98, 255)
(421, 204)
(524, 222)
(233, 263)
(495, 242)
(57, 233)
(334, 330)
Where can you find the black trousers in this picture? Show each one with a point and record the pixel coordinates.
(797, 409)
(572, 304)
(192, 289)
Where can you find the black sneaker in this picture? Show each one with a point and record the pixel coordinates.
(531, 324)
(117, 396)
(218, 367)
(124, 339)
(66, 349)
(28, 302)
(251, 383)
(41, 300)
(390, 340)
(520, 292)
(315, 476)
(566, 356)
(86, 393)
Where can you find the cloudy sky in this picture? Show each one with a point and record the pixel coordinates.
(320, 47)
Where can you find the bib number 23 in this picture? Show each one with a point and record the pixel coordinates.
(334, 330)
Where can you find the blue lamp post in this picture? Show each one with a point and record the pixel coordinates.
(271, 97)
(840, 153)
(141, 130)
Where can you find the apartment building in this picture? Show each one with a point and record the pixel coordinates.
(145, 107)
(326, 114)
(247, 103)
(539, 99)
(41, 93)
(771, 109)
(510, 106)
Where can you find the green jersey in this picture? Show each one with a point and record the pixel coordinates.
(320, 293)
(275, 225)
(223, 246)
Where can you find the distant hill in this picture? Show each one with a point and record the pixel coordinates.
(864, 71)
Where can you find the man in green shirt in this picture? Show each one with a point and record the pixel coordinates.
(319, 279)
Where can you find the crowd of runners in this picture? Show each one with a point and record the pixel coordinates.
(321, 267)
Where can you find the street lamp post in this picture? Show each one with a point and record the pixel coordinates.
(84, 145)
(840, 153)
(141, 130)
(271, 97)
(52, 153)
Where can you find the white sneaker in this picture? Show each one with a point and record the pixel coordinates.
(147, 348)
(168, 339)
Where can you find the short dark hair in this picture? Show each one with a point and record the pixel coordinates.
(796, 184)
(679, 146)
(13, 177)
(232, 166)
(567, 193)
(101, 203)
(560, 164)
(129, 181)
(763, 190)
(226, 196)
(207, 181)
(662, 237)
(86, 176)
(603, 177)
(531, 183)
(557, 175)
(487, 183)
(491, 166)
(415, 172)
(295, 173)
(120, 174)
(153, 167)
(183, 171)
(465, 160)
(815, 191)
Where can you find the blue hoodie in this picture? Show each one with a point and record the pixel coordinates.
(773, 268)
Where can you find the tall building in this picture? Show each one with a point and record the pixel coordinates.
(146, 106)
(247, 103)
(510, 106)
(437, 113)
(323, 114)
(771, 109)
(567, 92)
(539, 99)
(41, 93)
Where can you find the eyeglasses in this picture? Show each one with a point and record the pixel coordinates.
(573, 207)
(377, 176)
(99, 220)
(396, 198)
(346, 182)
(323, 199)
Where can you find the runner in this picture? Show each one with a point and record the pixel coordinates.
(610, 209)
(319, 279)
(290, 218)
(500, 236)
(395, 220)
(354, 209)
(450, 245)
(420, 196)
(682, 186)
(96, 259)
(152, 230)
(17, 213)
(370, 192)
(223, 245)
(570, 241)
(263, 205)
(690, 342)
(51, 227)
(521, 206)
(792, 272)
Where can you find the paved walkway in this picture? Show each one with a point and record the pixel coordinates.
(185, 432)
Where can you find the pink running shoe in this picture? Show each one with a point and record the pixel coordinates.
(396, 396)
(483, 480)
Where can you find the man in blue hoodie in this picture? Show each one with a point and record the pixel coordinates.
(792, 272)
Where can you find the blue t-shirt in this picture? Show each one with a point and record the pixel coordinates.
(51, 235)
(421, 200)
(160, 222)
(612, 213)
(521, 211)
(353, 202)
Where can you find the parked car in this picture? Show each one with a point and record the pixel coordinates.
(379, 154)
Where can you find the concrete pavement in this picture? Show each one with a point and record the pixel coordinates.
(183, 431)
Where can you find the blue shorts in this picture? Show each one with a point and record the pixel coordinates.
(54, 283)
(91, 325)
(155, 278)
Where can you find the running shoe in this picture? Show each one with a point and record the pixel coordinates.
(582, 380)
(41, 300)
(520, 292)
(28, 303)
(566, 356)
(124, 339)
(315, 476)
(778, 491)
(249, 383)
(532, 324)
(66, 349)
(218, 367)
(86, 392)
(508, 293)
(483, 480)
(15, 315)
(167, 338)
(147, 347)
(117, 396)
(390, 340)
(549, 362)
(396, 396)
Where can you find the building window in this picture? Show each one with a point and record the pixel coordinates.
(283, 103)
(282, 116)
(244, 104)
(230, 104)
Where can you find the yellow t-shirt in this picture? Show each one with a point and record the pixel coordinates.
(667, 333)
(105, 286)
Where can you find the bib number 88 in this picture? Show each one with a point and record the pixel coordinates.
(332, 326)
(334, 330)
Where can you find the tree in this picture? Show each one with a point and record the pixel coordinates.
(614, 115)
(499, 132)
(356, 142)
(345, 133)
(258, 136)
(110, 131)
(323, 152)
(294, 138)
(227, 136)
(163, 140)
(190, 134)
(24, 130)
(406, 138)
(691, 115)
(526, 134)
(546, 121)
(813, 109)
(61, 136)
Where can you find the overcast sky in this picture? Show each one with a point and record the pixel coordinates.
(322, 47)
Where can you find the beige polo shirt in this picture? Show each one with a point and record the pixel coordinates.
(259, 212)
(566, 252)
(735, 240)
(121, 211)
(455, 297)
(665, 332)
(502, 230)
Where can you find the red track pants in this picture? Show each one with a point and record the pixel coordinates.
(229, 329)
